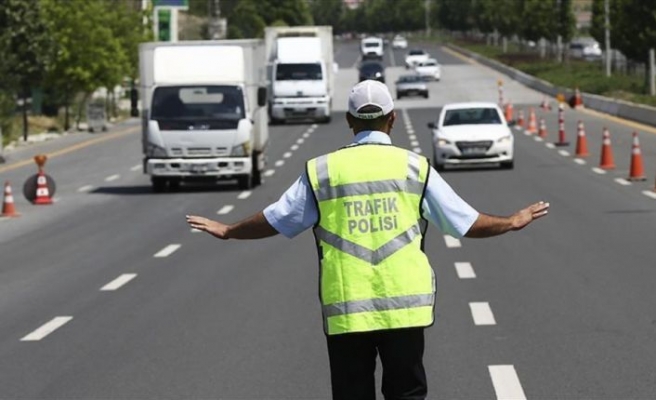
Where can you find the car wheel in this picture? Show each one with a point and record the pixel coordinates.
(508, 164)
(245, 182)
(426, 95)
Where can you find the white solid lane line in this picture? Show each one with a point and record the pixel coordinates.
(451, 242)
(112, 177)
(482, 314)
(167, 251)
(46, 329)
(118, 282)
(506, 382)
(279, 163)
(85, 189)
(287, 155)
(225, 209)
(136, 167)
(465, 270)
(622, 181)
(598, 171)
(244, 195)
(269, 172)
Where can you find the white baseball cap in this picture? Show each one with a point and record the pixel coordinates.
(370, 93)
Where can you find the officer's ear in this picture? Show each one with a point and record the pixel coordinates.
(391, 120)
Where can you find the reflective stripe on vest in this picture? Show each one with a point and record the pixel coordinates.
(385, 281)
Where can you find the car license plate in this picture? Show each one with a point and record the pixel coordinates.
(473, 151)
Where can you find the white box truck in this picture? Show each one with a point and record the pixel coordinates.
(203, 111)
(301, 72)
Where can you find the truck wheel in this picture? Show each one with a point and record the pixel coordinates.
(326, 120)
(174, 184)
(257, 174)
(159, 184)
(245, 182)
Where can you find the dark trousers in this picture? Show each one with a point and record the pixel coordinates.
(353, 363)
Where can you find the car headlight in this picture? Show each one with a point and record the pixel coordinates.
(155, 151)
(505, 139)
(241, 150)
(443, 142)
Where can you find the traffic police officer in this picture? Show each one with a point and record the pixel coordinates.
(369, 204)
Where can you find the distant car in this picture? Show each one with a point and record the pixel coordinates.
(411, 85)
(399, 42)
(587, 49)
(414, 56)
(372, 70)
(472, 133)
(372, 47)
(429, 69)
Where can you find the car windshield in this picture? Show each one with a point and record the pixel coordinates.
(371, 68)
(218, 107)
(416, 53)
(429, 64)
(372, 44)
(298, 72)
(409, 79)
(471, 116)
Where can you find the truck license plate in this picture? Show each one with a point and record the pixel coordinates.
(198, 168)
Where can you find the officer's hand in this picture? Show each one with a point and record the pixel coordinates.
(524, 217)
(214, 228)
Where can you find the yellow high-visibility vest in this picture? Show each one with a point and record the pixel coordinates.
(373, 272)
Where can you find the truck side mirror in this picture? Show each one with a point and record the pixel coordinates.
(261, 96)
(134, 102)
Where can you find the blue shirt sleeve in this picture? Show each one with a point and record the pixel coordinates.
(295, 211)
(445, 209)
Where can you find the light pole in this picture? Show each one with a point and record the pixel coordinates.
(607, 35)
(426, 17)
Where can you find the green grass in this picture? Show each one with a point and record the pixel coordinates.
(587, 76)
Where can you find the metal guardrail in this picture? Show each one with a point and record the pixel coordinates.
(619, 108)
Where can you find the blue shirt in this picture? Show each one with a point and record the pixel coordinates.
(296, 209)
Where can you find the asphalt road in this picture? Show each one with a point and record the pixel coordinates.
(561, 310)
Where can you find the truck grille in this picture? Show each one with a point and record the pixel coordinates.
(199, 151)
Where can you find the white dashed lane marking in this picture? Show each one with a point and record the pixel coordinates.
(167, 251)
(46, 329)
(550, 145)
(269, 172)
(118, 282)
(414, 143)
(622, 181)
(244, 195)
(451, 242)
(194, 230)
(136, 167)
(563, 153)
(417, 150)
(649, 193)
(294, 147)
(506, 382)
(85, 189)
(598, 171)
(482, 313)
(225, 209)
(279, 163)
(306, 135)
(465, 270)
(300, 141)
(112, 178)
(579, 161)
(287, 155)
(538, 139)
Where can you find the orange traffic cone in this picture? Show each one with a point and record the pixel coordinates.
(509, 112)
(542, 132)
(637, 172)
(545, 105)
(42, 191)
(520, 119)
(581, 142)
(607, 161)
(561, 126)
(532, 123)
(8, 207)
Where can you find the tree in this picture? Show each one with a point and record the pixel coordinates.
(538, 20)
(245, 21)
(634, 27)
(24, 44)
(328, 12)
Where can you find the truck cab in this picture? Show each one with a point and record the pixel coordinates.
(372, 47)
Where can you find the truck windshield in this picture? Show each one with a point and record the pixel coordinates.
(298, 72)
(213, 107)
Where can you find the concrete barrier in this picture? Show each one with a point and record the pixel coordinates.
(619, 108)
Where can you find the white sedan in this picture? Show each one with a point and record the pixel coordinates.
(415, 56)
(472, 133)
(429, 69)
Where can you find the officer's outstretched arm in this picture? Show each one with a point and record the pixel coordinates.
(489, 225)
(253, 227)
